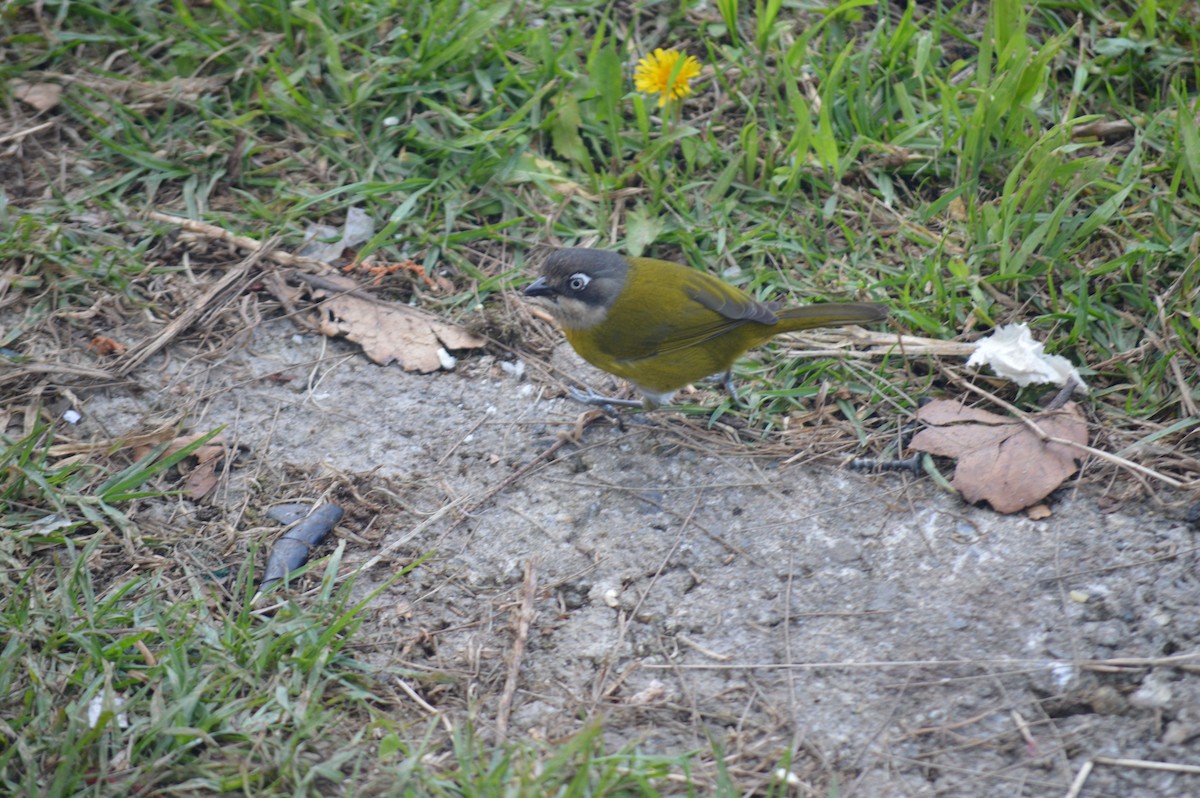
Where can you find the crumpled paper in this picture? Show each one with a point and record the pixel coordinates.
(1014, 355)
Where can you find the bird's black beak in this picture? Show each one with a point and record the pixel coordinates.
(539, 287)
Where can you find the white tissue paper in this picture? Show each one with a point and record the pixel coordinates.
(1013, 354)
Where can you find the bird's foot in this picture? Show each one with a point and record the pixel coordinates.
(730, 388)
(605, 403)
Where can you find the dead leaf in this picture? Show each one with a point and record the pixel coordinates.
(39, 96)
(1038, 512)
(396, 333)
(957, 209)
(1000, 460)
(201, 480)
(380, 270)
(104, 346)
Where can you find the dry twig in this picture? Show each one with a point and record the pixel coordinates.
(524, 619)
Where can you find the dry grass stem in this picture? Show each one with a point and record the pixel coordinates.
(1076, 788)
(525, 615)
(138, 353)
(29, 131)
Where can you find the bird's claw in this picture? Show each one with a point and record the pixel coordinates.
(605, 403)
(730, 388)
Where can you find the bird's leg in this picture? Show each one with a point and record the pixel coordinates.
(605, 403)
(730, 388)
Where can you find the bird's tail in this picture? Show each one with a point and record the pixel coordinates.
(830, 315)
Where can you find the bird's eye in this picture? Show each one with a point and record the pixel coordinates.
(578, 282)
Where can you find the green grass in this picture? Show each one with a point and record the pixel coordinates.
(853, 150)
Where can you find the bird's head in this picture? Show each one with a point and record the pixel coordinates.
(578, 286)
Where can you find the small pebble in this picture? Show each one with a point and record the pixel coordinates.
(1154, 693)
(1109, 633)
(1179, 732)
(1107, 700)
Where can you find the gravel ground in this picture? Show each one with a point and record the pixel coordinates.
(867, 628)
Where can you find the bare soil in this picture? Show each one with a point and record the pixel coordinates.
(691, 591)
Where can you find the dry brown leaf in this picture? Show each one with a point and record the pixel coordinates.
(1038, 512)
(957, 209)
(397, 333)
(201, 480)
(104, 346)
(39, 96)
(1001, 460)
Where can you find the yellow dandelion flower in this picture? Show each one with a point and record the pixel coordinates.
(661, 73)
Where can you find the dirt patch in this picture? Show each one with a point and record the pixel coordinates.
(867, 628)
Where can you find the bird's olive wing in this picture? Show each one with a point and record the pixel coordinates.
(714, 309)
(685, 337)
(730, 302)
(693, 309)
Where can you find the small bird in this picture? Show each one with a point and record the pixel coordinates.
(662, 325)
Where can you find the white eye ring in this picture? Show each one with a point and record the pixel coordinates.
(578, 282)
